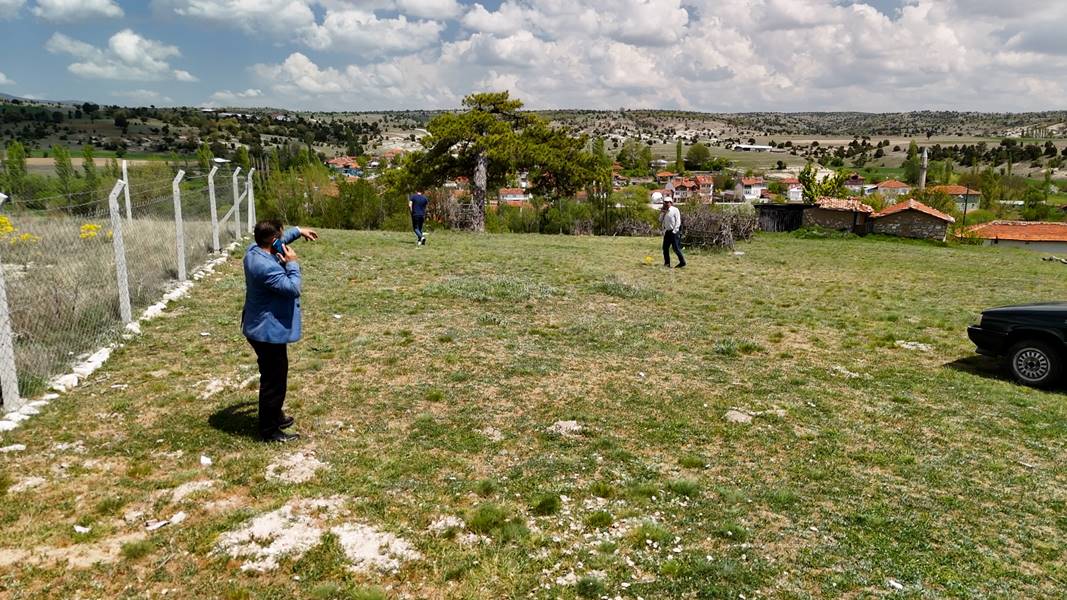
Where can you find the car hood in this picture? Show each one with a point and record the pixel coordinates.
(1036, 309)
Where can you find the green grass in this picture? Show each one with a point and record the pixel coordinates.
(431, 397)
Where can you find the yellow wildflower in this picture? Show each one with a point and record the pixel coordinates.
(89, 231)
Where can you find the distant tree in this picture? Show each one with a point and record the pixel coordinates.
(913, 150)
(780, 165)
(242, 159)
(936, 199)
(65, 172)
(697, 157)
(204, 156)
(122, 121)
(15, 174)
(832, 186)
(679, 165)
(92, 178)
(1034, 206)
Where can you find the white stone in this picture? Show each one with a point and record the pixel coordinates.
(27, 484)
(368, 549)
(896, 585)
(29, 410)
(565, 428)
(8, 425)
(921, 347)
(13, 448)
(736, 416)
(154, 525)
(205, 461)
(65, 383)
(443, 524)
(15, 417)
(80, 529)
(49, 397)
(178, 518)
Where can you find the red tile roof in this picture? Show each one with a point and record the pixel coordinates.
(790, 181)
(892, 184)
(705, 180)
(751, 181)
(665, 174)
(1024, 231)
(844, 204)
(955, 190)
(913, 205)
(512, 192)
(344, 161)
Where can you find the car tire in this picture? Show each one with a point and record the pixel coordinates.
(1035, 363)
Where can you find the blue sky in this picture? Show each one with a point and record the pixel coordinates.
(714, 55)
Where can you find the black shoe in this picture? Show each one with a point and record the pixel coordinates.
(281, 437)
(423, 241)
(286, 422)
(680, 266)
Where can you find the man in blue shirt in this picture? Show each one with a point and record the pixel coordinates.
(271, 318)
(417, 204)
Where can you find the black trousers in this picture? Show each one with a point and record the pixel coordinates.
(672, 240)
(273, 362)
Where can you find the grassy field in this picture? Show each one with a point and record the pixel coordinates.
(433, 388)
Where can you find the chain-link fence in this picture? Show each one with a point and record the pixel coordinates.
(64, 268)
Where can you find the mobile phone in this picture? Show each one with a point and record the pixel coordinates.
(277, 247)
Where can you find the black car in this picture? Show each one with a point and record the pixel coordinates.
(1031, 337)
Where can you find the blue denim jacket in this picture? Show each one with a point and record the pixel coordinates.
(272, 295)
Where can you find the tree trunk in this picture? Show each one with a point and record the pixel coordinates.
(478, 193)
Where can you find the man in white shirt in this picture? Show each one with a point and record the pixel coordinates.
(670, 220)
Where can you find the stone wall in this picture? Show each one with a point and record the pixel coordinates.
(833, 219)
(911, 224)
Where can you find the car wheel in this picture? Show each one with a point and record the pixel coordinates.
(1035, 363)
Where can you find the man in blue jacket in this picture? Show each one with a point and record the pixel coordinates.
(417, 204)
(271, 318)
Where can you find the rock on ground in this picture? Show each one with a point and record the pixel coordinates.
(368, 549)
(289, 531)
(565, 428)
(736, 416)
(294, 468)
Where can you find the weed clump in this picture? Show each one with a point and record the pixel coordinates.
(684, 487)
(591, 587)
(548, 504)
(137, 549)
(599, 519)
(494, 520)
(692, 461)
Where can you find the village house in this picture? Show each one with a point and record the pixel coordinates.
(347, 165)
(665, 176)
(752, 187)
(911, 219)
(891, 189)
(683, 188)
(794, 192)
(705, 186)
(965, 198)
(842, 214)
(513, 195)
(1032, 235)
(855, 184)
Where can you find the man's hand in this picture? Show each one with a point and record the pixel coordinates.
(308, 234)
(288, 255)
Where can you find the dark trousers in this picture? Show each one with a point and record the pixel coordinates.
(273, 362)
(416, 224)
(672, 240)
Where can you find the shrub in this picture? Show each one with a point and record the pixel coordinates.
(599, 519)
(705, 226)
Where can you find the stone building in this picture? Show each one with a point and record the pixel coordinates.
(842, 214)
(912, 219)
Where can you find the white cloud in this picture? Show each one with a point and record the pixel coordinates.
(9, 9)
(236, 98)
(363, 32)
(76, 10)
(5, 81)
(129, 56)
(142, 95)
(429, 9)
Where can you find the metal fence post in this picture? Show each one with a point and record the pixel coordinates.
(214, 210)
(9, 378)
(251, 200)
(180, 237)
(126, 191)
(121, 275)
(237, 203)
